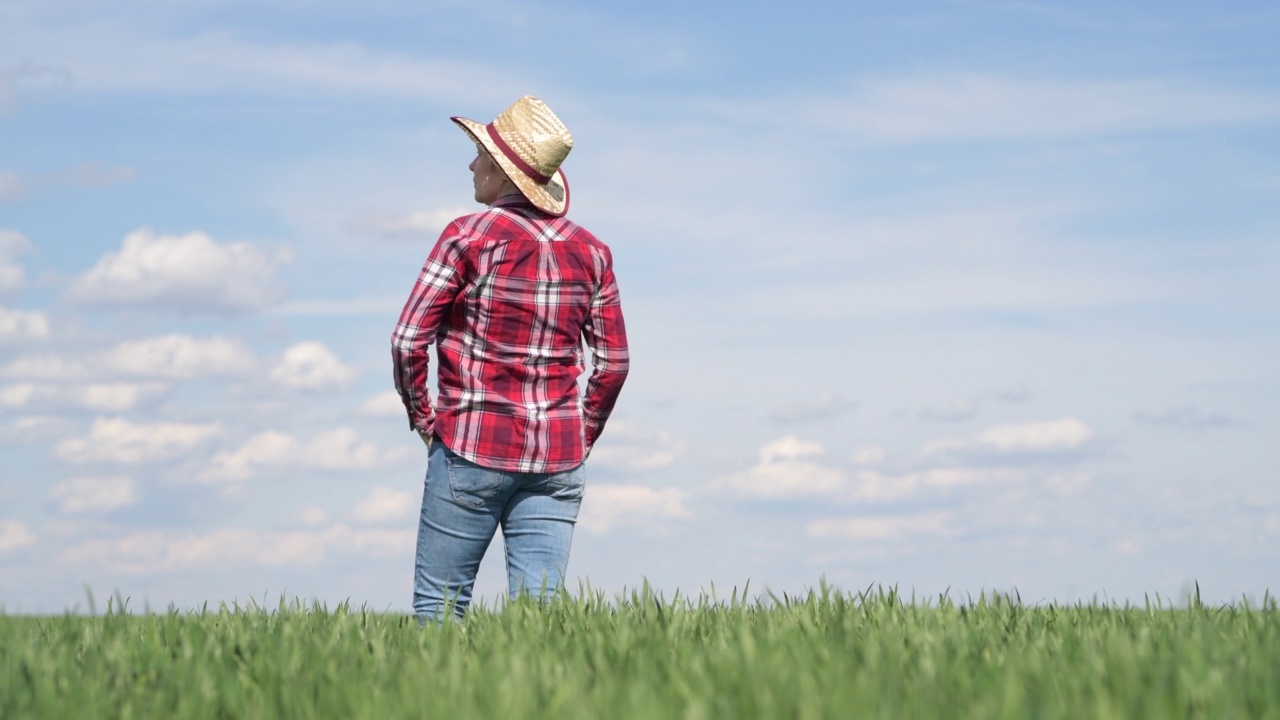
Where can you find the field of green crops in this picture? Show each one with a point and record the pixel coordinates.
(824, 655)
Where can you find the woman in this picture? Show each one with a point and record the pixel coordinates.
(508, 295)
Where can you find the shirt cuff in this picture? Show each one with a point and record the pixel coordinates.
(425, 424)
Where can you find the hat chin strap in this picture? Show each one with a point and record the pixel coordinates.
(511, 155)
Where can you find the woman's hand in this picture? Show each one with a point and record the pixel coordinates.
(426, 439)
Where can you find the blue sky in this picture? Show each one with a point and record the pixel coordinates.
(967, 295)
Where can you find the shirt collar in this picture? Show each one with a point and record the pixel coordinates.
(509, 200)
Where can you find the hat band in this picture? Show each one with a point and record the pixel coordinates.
(510, 152)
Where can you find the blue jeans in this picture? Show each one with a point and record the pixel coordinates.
(462, 506)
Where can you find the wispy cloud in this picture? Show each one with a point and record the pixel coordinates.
(957, 410)
(384, 305)
(884, 486)
(91, 175)
(28, 81)
(113, 57)
(15, 187)
(881, 528)
(824, 407)
(12, 186)
(414, 225)
(1047, 438)
(12, 275)
(969, 107)
(156, 551)
(967, 407)
(33, 429)
(1185, 416)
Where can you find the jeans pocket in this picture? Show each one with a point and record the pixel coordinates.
(471, 485)
(568, 485)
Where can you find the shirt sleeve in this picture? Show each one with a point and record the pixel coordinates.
(428, 304)
(606, 336)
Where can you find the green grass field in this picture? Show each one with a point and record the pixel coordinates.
(828, 654)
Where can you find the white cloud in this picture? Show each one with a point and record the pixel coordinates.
(1050, 436)
(385, 505)
(1064, 434)
(117, 440)
(787, 448)
(94, 495)
(101, 397)
(45, 367)
(19, 326)
(826, 405)
(416, 225)
(186, 272)
(952, 107)
(385, 404)
(336, 450)
(784, 471)
(788, 468)
(606, 506)
(341, 449)
(12, 275)
(628, 448)
(180, 357)
(269, 449)
(311, 366)
(117, 397)
(313, 515)
(882, 528)
(168, 357)
(14, 535)
(151, 552)
(16, 396)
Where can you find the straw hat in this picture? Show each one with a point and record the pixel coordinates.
(528, 142)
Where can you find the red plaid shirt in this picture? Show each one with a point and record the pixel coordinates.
(508, 295)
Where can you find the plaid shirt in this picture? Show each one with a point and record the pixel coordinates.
(508, 295)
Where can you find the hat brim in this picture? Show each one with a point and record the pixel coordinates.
(552, 198)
